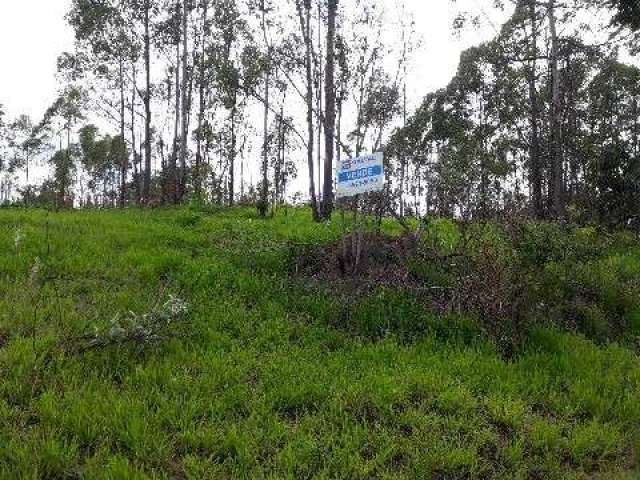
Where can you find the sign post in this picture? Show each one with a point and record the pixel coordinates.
(360, 175)
(354, 177)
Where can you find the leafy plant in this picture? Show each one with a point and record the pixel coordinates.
(141, 330)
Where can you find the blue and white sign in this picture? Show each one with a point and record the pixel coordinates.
(360, 175)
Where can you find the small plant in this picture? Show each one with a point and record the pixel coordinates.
(34, 293)
(189, 219)
(143, 330)
(17, 239)
(443, 236)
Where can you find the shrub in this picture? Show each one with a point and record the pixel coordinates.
(493, 286)
(142, 330)
(540, 243)
(443, 236)
(189, 219)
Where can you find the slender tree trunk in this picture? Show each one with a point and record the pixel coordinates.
(174, 180)
(185, 105)
(535, 167)
(147, 104)
(403, 157)
(264, 194)
(27, 196)
(124, 160)
(484, 174)
(280, 160)
(263, 204)
(64, 184)
(304, 14)
(330, 109)
(319, 121)
(232, 154)
(557, 167)
(202, 98)
(136, 171)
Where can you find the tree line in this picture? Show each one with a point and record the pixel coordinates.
(180, 84)
(541, 120)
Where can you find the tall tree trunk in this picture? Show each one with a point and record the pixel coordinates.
(147, 104)
(66, 180)
(557, 178)
(124, 159)
(185, 105)
(280, 160)
(330, 109)
(202, 98)
(535, 167)
(403, 156)
(173, 180)
(484, 173)
(232, 153)
(27, 199)
(136, 171)
(304, 14)
(319, 121)
(263, 205)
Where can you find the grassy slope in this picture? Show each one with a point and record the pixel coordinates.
(269, 385)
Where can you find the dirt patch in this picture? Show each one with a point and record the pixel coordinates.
(383, 262)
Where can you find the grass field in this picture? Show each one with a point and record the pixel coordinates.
(265, 379)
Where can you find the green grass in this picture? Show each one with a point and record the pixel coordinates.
(274, 380)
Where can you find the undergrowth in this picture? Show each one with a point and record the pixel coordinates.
(276, 378)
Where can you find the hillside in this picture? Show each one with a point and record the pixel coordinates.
(179, 344)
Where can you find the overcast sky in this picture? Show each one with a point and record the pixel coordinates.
(33, 33)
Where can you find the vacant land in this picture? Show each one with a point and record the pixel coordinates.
(177, 344)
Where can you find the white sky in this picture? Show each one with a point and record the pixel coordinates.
(33, 33)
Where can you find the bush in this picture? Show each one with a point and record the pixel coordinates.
(541, 243)
(189, 219)
(493, 286)
(510, 276)
(144, 330)
(443, 236)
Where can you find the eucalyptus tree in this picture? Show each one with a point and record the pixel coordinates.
(107, 49)
(303, 9)
(144, 13)
(566, 113)
(186, 68)
(613, 144)
(168, 40)
(230, 29)
(3, 137)
(26, 142)
(99, 156)
(203, 131)
(282, 145)
(60, 120)
(374, 94)
(262, 64)
(330, 108)
(4, 151)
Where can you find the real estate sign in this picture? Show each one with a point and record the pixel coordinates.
(360, 175)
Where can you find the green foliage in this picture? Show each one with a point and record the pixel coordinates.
(515, 275)
(278, 380)
(443, 235)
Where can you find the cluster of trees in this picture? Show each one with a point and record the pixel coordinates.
(535, 120)
(539, 120)
(180, 83)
